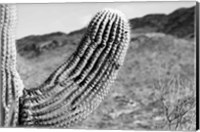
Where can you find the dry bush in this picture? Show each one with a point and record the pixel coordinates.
(178, 98)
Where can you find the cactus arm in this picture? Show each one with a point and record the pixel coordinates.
(10, 83)
(79, 85)
(76, 88)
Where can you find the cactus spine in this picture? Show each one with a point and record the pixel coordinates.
(78, 86)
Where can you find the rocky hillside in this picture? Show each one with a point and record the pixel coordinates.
(34, 45)
(179, 23)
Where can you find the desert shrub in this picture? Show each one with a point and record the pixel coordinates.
(177, 96)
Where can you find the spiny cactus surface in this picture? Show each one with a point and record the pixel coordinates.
(78, 86)
(10, 82)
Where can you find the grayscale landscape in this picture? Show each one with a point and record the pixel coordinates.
(155, 88)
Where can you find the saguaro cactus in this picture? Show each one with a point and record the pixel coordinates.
(79, 85)
(10, 82)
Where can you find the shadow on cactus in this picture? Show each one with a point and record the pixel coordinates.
(73, 90)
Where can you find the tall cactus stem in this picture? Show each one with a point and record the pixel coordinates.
(10, 83)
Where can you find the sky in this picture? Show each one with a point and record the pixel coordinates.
(38, 19)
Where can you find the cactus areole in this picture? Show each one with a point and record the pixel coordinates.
(76, 88)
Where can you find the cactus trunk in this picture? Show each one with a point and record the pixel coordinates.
(10, 82)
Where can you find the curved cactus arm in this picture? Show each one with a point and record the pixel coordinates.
(79, 85)
(10, 83)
